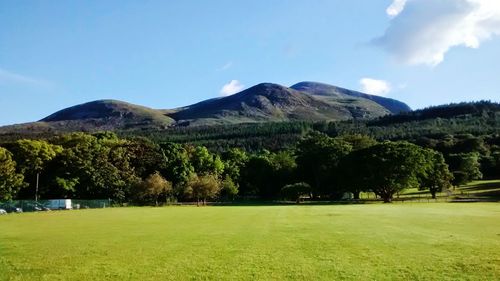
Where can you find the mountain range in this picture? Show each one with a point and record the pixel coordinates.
(266, 102)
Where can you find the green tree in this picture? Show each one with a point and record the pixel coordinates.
(100, 166)
(350, 172)
(460, 178)
(205, 162)
(317, 159)
(284, 170)
(234, 160)
(146, 157)
(228, 188)
(390, 167)
(152, 188)
(32, 157)
(10, 180)
(467, 164)
(358, 141)
(257, 176)
(178, 168)
(436, 176)
(203, 187)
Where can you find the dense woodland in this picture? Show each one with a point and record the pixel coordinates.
(430, 149)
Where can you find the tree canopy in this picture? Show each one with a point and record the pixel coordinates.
(10, 180)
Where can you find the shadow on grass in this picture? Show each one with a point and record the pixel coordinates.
(287, 203)
(489, 190)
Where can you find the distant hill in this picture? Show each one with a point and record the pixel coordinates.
(97, 115)
(266, 102)
(333, 93)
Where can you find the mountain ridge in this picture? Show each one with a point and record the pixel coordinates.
(264, 102)
(322, 89)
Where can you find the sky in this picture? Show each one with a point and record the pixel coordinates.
(167, 54)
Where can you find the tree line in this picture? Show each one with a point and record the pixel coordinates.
(140, 171)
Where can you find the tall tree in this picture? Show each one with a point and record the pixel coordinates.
(317, 158)
(257, 176)
(390, 167)
(146, 157)
(178, 168)
(203, 187)
(152, 188)
(466, 166)
(32, 157)
(234, 160)
(229, 189)
(351, 177)
(436, 176)
(205, 163)
(10, 180)
(100, 166)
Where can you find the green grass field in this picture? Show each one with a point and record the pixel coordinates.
(437, 241)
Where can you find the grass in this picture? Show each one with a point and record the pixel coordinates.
(481, 190)
(441, 241)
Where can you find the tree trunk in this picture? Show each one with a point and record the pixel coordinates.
(356, 195)
(36, 188)
(433, 193)
(387, 199)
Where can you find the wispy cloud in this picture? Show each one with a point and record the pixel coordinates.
(9, 77)
(226, 66)
(375, 87)
(423, 31)
(233, 87)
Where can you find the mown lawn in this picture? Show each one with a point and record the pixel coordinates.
(436, 241)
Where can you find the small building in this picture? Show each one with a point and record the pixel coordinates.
(59, 204)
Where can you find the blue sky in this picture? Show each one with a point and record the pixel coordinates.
(166, 54)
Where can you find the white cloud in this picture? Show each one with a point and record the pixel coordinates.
(423, 31)
(233, 87)
(11, 77)
(375, 87)
(396, 8)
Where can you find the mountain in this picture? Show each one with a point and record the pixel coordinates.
(333, 93)
(97, 115)
(266, 102)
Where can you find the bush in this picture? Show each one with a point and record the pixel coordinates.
(296, 191)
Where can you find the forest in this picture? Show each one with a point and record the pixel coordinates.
(430, 149)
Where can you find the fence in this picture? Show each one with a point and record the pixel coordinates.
(40, 205)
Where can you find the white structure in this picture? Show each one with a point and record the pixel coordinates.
(59, 204)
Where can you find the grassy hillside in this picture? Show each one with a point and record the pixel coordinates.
(97, 116)
(358, 99)
(110, 113)
(272, 103)
(439, 241)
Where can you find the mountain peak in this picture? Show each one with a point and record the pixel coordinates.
(265, 89)
(108, 114)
